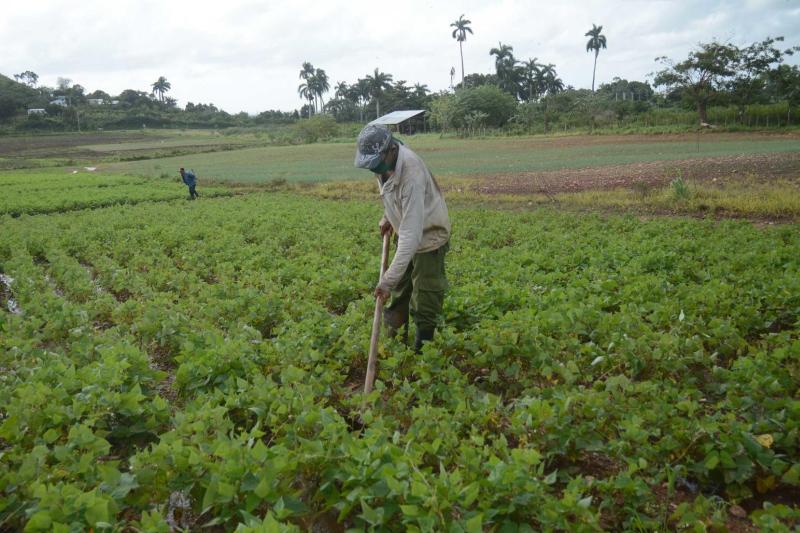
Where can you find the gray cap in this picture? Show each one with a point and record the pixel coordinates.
(372, 142)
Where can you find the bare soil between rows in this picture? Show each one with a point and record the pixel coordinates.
(761, 167)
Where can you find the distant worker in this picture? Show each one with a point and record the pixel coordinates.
(191, 180)
(415, 210)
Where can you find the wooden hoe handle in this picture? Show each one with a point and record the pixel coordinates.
(376, 323)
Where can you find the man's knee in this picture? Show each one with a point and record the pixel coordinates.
(428, 309)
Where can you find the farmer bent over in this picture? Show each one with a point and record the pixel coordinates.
(414, 208)
(191, 181)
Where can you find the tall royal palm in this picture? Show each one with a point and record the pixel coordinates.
(320, 85)
(460, 34)
(306, 71)
(531, 67)
(378, 82)
(596, 41)
(306, 92)
(161, 86)
(360, 92)
(306, 74)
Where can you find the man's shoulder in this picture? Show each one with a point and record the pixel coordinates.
(411, 165)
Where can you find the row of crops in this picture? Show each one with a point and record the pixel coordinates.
(58, 191)
(179, 364)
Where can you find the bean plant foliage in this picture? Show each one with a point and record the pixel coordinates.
(180, 365)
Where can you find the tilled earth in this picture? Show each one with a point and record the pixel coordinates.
(762, 167)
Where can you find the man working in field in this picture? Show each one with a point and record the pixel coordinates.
(191, 181)
(415, 210)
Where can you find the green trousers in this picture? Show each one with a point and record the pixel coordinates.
(420, 292)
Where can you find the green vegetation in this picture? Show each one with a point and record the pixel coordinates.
(452, 157)
(57, 191)
(180, 364)
(720, 85)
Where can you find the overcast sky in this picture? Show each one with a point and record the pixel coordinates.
(245, 55)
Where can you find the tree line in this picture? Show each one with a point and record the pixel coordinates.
(520, 95)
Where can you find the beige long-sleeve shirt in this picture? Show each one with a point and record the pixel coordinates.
(414, 206)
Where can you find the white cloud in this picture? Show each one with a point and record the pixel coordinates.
(246, 54)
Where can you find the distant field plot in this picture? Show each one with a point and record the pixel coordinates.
(310, 162)
(56, 190)
(481, 158)
(98, 147)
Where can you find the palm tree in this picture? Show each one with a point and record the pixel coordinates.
(548, 81)
(342, 90)
(307, 74)
(460, 35)
(319, 84)
(531, 73)
(161, 86)
(596, 42)
(421, 90)
(378, 82)
(361, 93)
(306, 92)
(506, 64)
(306, 71)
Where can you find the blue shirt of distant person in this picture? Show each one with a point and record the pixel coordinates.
(191, 181)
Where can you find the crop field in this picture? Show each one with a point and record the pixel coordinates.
(489, 158)
(93, 148)
(168, 364)
(60, 190)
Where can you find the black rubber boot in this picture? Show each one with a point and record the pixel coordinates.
(423, 335)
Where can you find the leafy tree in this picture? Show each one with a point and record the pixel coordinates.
(752, 71)
(496, 104)
(378, 83)
(133, 98)
(8, 107)
(460, 34)
(700, 77)
(443, 111)
(475, 80)
(624, 90)
(98, 94)
(783, 83)
(717, 69)
(595, 43)
(161, 87)
(28, 77)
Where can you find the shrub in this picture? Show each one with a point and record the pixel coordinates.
(315, 128)
(498, 106)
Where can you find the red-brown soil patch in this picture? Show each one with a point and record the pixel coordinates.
(763, 167)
